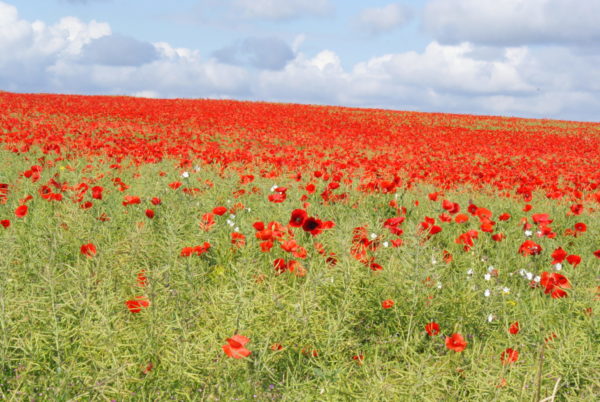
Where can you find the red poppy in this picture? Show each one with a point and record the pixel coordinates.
(498, 236)
(433, 328)
(461, 218)
(456, 342)
(558, 255)
(142, 280)
(509, 356)
(21, 211)
(576, 209)
(175, 185)
(504, 217)
(375, 267)
(131, 199)
(581, 227)
(574, 260)
(447, 256)
(358, 359)
(150, 213)
(386, 304)
(529, 247)
(235, 347)
(280, 265)
(555, 284)
(155, 201)
(313, 226)
(277, 197)
(514, 328)
(597, 253)
(219, 211)
(298, 217)
(238, 239)
(266, 246)
(89, 250)
(136, 305)
(97, 192)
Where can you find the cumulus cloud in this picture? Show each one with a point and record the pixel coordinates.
(85, 1)
(264, 53)
(118, 50)
(72, 56)
(282, 9)
(383, 19)
(514, 22)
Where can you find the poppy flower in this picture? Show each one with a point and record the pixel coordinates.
(558, 255)
(461, 218)
(150, 213)
(266, 246)
(298, 217)
(280, 265)
(509, 356)
(97, 192)
(574, 260)
(155, 201)
(576, 209)
(21, 211)
(456, 342)
(136, 305)
(514, 328)
(313, 226)
(142, 280)
(277, 197)
(175, 185)
(596, 253)
(5, 223)
(131, 200)
(219, 210)
(386, 304)
(581, 227)
(89, 250)
(529, 247)
(358, 359)
(504, 217)
(498, 237)
(238, 239)
(375, 267)
(554, 284)
(235, 347)
(433, 328)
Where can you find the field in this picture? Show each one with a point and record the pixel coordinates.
(223, 250)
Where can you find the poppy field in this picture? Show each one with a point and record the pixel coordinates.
(225, 250)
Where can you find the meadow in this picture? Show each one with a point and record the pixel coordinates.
(223, 250)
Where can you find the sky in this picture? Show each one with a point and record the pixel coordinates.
(525, 58)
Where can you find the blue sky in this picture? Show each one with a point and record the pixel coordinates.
(531, 58)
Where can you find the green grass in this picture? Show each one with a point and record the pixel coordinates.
(65, 333)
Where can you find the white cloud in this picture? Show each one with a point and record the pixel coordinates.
(383, 19)
(514, 22)
(262, 52)
(282, 9)
(550, 81)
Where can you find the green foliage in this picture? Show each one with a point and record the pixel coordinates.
(66, 334)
